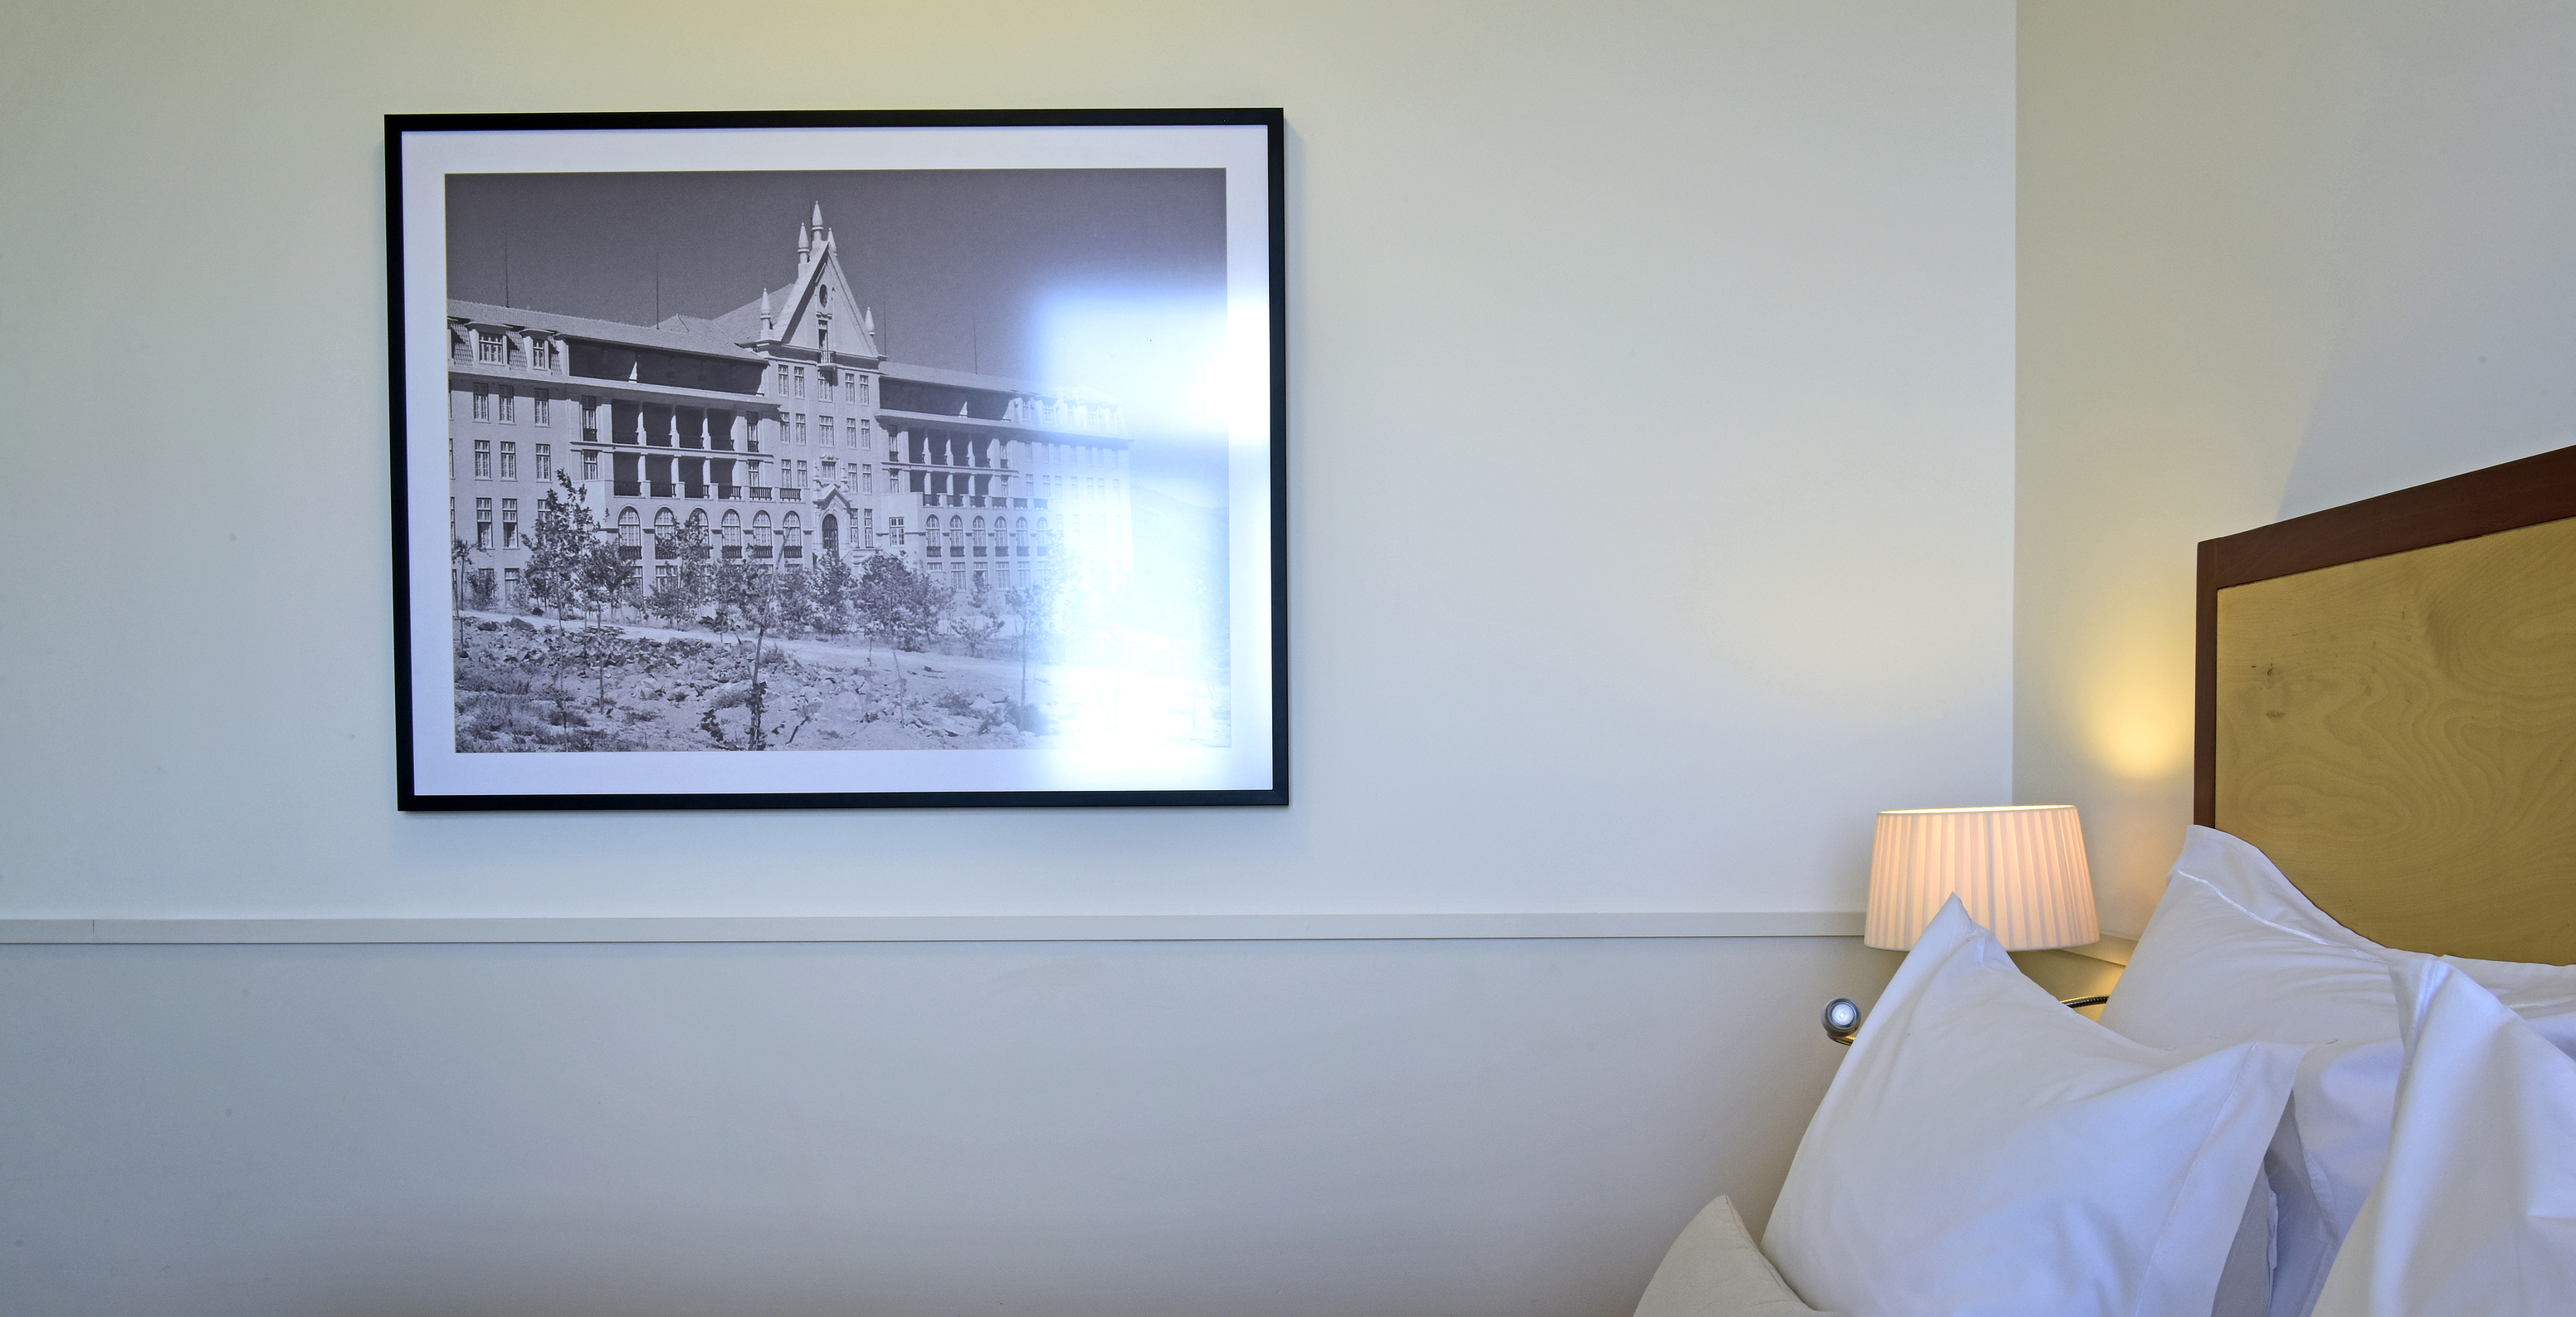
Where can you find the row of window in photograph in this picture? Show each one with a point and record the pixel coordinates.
(681, 427)
(658, 472)
(655, 425)
(491, 347)
(1003, 539)
(522, 350)
(666, 477)
(508, 466)
(509, 582)
(715, 430)
(853, 385)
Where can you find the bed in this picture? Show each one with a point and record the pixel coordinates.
(2338, 1077)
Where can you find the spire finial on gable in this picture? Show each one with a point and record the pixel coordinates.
(768, 329)
(818, 214)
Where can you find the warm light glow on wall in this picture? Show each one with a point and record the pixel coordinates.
(2139, 735)
(2133, 711)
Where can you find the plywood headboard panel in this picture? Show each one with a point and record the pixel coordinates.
(2387, 707)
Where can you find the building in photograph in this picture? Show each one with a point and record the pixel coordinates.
(783, 429)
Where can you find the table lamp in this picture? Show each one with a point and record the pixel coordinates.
(2019, 870)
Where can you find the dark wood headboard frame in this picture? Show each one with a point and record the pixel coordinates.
(2527, 492)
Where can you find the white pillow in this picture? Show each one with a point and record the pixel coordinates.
(2236, 952)
(2244, 874)
(2207, 973)
(1986, 1152)
(2476, 1213)
(1713, 1270)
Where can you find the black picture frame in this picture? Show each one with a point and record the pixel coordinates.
(1102, 726)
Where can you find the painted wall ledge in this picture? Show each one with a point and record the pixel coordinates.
(934, 928)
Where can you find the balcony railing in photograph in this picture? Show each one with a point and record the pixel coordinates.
(733, 553)
(696, 490)
(728, 491)
(629, 488)
(760, 551)
(760, 492)
(789, 493)
(662, 489)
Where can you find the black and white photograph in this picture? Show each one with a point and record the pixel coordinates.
(947, 482)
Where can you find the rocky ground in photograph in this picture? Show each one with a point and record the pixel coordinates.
(523, 686)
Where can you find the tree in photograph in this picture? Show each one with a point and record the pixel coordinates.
(897, 605)
(1034, 608)
(460, 561)
(590, 651)
(560, 541)
(976, 618)
(793, 588)
(929, 603)
(460, 569)
(678, 598)
(834, 583)
(749, 596)
(602, 580)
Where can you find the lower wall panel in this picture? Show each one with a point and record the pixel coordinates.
(1383, 1128)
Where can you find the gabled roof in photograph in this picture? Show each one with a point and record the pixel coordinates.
(677, 334)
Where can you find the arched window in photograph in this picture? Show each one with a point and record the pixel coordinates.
(760, 545)
(831, 534)
(792, 531)
(665, 525)
(1020, 539)
(1042, 537)
(979, 537)
(630, 534)
(697, 516)
(956, 537)
(731, 533)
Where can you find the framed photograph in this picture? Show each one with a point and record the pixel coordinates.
(831, 460)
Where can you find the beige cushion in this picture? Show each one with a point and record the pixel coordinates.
(1714, 1270)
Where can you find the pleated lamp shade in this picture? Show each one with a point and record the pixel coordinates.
(2019, 869)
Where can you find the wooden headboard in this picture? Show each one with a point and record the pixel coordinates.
(2387, 707)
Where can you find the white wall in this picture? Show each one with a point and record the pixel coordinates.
(2274, 258)
(1650, 528)
(1117, 1129)
(1650, 510)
